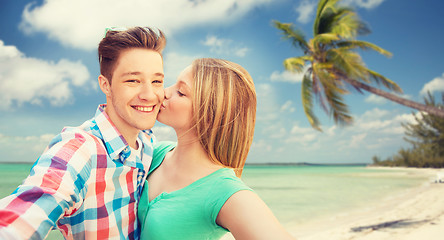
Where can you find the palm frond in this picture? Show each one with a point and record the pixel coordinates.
(348, 62)
(296, 36)
(296, 64)
(325, 38)
(324, 10)
(378, 78)
(316, 86)
(353, 44)
(339, 109)
(332, 17)
(333, 92)
(336, 66)
(320, 9)
(307, 100)
(347, 24)
(318, 92)
(329, 80)
(361, 27)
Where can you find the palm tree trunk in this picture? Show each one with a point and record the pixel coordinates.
(419, 106)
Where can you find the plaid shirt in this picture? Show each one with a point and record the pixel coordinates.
(84, 184)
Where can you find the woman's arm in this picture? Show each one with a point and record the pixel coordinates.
(246, 216)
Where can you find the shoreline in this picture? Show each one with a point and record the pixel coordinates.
(416, 213)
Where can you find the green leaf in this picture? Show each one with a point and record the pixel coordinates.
(378, 78)
(296, 36)
(335, 63)
(307, 100)
(353, 44)
(295, 64)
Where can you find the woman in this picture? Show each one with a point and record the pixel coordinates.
(194, 189)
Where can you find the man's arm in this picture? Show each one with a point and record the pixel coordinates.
(53, 189)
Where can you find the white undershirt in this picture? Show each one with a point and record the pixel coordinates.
(136, 152)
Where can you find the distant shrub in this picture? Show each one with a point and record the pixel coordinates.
(427, 138)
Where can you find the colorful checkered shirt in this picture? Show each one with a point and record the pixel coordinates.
(84, 184)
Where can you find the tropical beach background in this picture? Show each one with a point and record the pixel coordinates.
(311, 199)
(49, 69)
(316, 182)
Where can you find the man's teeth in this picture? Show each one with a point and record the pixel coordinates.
(144, 109)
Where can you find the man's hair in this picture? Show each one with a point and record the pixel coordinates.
(115, 42)
(224, 110)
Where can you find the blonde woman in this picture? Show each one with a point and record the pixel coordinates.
(194, 190)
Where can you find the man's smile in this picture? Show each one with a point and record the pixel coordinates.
(144, 108)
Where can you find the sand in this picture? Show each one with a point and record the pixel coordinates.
(414, 214)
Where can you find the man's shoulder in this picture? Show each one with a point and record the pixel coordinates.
(81, 134)
(89, 127)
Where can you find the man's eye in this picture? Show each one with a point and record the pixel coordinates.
(158, 81)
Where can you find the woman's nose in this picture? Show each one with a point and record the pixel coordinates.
(168, 92)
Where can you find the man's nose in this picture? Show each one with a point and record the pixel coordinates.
(146, 92)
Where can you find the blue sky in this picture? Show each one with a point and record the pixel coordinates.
(49, 69)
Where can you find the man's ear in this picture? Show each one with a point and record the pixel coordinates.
(104, 84)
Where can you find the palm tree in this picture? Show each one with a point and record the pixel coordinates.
(332, 66)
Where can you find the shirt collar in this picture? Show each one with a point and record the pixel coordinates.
(115, 143)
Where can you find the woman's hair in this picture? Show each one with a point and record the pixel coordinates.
(116, 41)
(224, 110)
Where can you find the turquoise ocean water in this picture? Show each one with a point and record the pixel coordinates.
(294, 193)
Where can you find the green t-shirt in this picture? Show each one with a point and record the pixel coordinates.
(190, 212)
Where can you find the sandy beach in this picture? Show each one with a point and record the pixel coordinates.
(413, 214)
(416, 213)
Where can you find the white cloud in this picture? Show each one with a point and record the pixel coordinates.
(331, 130)
(81, 23)
(276, 131)
(288, 107)
(375, 113)
(369, 4)
(261, 145)
(407, 118)
(372, 98)
(241, 52)
(266, 103)
(31, 80)
(174, 64)
(437, 84)
(23, 148)
(224, 46)
(306, 10)
(375, 132)
(286, 76)
(264, 89)
(164, 133)
(383, 121)
(302, 135)
(356, 140)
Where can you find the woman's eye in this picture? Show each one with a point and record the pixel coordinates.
(180, 94)
(132, 81)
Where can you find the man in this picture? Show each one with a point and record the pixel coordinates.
(88, 181)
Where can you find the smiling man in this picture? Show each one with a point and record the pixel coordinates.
(88, 181)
